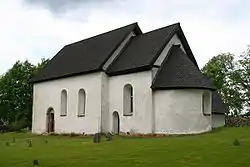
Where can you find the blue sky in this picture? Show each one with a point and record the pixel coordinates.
(33, 29)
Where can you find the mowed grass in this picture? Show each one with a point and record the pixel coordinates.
(207, 150)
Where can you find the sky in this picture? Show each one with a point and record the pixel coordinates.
(35, 29)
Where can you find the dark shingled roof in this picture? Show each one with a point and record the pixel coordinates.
(90, 55)
(144, 49)
(178, 71)
(218, 106)
(85, 56)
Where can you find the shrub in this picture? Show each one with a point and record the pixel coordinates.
(17, 126)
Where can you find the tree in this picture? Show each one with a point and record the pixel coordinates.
(222, 70)
(242, 77)
(42, 64)
(16, 93)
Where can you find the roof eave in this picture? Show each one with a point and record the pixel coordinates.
(218, 113)
(65, 76)
(180, 87)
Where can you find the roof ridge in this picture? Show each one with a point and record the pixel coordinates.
(162, 37)
(118, 56)
(166, 41)
(82, 56)
(133, 25)
(174, 24)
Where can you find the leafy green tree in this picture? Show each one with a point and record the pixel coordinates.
(41, 64)
(242, 77)
(16, 93)
(222, 70)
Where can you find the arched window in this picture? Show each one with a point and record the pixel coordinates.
(81, 102)
(206, 103)
(64, 102)
(128, 100)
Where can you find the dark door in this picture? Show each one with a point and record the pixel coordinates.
(50, 121)
(116, 123)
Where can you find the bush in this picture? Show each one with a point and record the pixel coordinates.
(16, 126)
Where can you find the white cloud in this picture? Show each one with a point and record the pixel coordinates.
(31, 32)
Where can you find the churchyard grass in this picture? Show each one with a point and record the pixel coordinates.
(207, 150)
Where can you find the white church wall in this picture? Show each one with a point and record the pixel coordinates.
(180, 112)
(48, 94)
(105, 103)
(141, 119)
(218, 120)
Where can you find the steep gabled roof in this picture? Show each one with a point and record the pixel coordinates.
(85, 56)
(141, 51)
(178, 71)
(144, 49)
(218, 106)
(91, 54)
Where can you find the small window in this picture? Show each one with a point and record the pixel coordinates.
(128, 100)
(64, 102)
(81, 103)
(206, 103)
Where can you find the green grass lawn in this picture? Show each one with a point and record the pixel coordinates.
(207, 150)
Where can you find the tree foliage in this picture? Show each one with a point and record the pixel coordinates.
(231, 76)
(242, 76)
(16, 93)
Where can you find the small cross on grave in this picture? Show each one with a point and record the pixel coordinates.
(29, 143)
(35, 162)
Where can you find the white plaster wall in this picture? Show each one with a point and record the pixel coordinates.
(180, 112)
(105, 103)
(48, 94)
(141, 120)
(218, 120)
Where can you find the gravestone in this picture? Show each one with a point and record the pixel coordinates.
(30, 143)
(236, 142)
(109, 136)
(35, 162)
(97, 138)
